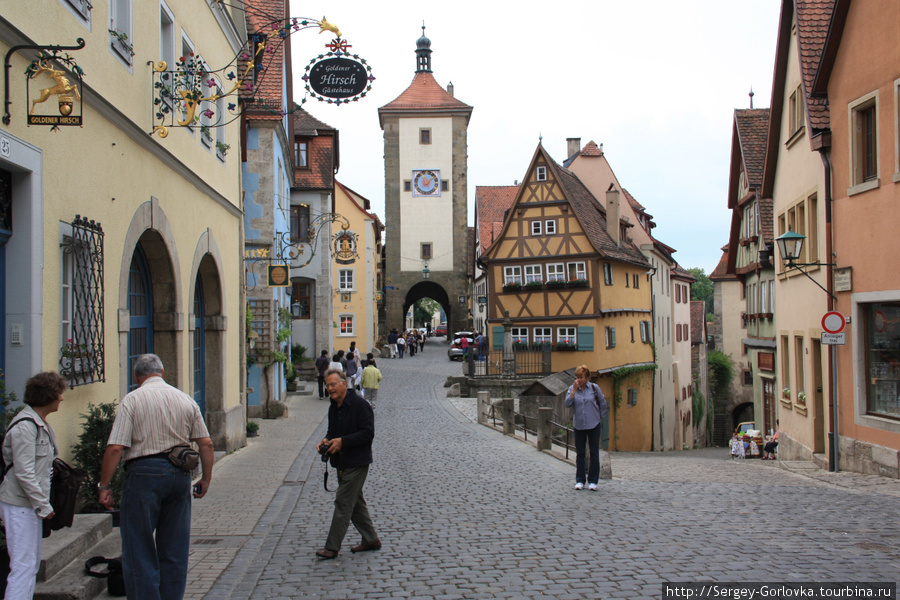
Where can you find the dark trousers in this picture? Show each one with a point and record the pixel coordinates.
(592, 438)
(350, 507)
(321, 386)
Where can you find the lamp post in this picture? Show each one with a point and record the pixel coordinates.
(790, 245)
(425, 272)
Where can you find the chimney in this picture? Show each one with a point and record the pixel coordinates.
(573, 145)
(612, 213)
(450, 89)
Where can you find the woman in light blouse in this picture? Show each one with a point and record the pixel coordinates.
(590, 408)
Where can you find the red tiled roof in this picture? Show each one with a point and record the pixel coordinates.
(591, 149)
(424, 94)
(698, 321)
(752, 128)
(682, 273)
(592, 216)
(307, 125)
(268, 101)
(321, 152)
(813, 17)
(491, 204)
(720, 273)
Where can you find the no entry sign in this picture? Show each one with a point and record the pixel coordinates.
(833, 322)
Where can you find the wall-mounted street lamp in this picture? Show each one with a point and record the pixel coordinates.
(425, 272)
(297, 310)
(790, 245)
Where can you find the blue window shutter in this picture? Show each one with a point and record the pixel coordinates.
(585, 338)
(497, 337)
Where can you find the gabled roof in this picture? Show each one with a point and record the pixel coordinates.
(698, 322)
(491, 204)
(424, 95)
(268, 103)
(813, 17)
(682, 273)
(720, 273)
(307, 125)
(752, 128)
(830, 49)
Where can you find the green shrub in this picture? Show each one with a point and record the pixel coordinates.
(88, 454)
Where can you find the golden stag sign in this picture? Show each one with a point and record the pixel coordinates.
(65, 91)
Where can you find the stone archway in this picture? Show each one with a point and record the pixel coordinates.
(428, 289)
(151, 230)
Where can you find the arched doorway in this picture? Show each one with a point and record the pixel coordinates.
(140, 311)
(199, 347)
(741, 413)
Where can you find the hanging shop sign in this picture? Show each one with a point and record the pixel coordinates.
(338, 77)
(279, 275)
(66, 76)
(345, 247)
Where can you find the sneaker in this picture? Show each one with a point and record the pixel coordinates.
(579, 486)
(592, 487)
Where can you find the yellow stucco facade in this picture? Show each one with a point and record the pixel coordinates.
(169, 209)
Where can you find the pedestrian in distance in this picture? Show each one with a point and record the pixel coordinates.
(155, 512)
(335, 364)
(411, 343)
(392, 342)
(371, 379)
(351, 369)
(421, 338)
(464, 344)
(322, 364)
(348, 442)
(590, 409)
(401, 346)
(29, 448)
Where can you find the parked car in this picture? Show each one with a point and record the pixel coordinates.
(440, 330)
(455, 351)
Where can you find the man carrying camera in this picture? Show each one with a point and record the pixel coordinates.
(351, 428)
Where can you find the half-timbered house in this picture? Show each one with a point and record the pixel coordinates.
(566, 273)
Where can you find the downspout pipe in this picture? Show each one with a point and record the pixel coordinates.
(833, 439)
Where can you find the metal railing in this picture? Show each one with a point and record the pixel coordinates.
(517, 363)
(564, 436)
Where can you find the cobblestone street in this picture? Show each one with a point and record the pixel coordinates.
(467, 513)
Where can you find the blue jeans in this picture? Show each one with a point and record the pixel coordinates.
(592, 437)
(156, 498)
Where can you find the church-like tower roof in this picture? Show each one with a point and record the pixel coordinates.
(424, 94)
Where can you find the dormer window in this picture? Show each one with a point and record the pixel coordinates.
(542, 173)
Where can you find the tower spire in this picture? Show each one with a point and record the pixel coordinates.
(423, 53)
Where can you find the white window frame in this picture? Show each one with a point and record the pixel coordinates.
(567, 334)
(608, 274)
(645, 332)
(556, 272)
(519, 335)
(536, 228)
(168, 33)
(543, 335)
(610, 335)
(345, 277)
(346, 317)
(120, 19)
(579, 268)
(512, 274)
(541, 174)
(857, 182)
(66, 284)
(550, 227)
(80, 9)
(533, 273)
(896, 177)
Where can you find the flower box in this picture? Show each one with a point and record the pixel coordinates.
(512, 287)
(566, 347)
(534, 285)
(555, 284)
(577, 283)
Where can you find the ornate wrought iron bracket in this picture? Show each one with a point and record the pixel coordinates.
(55, 56)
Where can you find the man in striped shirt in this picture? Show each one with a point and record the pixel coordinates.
(156, 500)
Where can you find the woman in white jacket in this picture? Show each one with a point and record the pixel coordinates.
(29, 448)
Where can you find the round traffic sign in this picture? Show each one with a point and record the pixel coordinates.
(833, 322)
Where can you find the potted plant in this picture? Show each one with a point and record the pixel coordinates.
(290, 376)
(88, 452)
(513, 286)
(786, 392)
(252, 429)
(534, 285)
(578, 283)
(801, 397)
(566, 346)
(555, 284)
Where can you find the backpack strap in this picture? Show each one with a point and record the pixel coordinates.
(13, 424)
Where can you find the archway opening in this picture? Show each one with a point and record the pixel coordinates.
(426, 306)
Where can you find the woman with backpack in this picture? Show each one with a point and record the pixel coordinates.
(590, 407)
(29, 447)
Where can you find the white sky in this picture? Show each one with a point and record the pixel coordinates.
(655, 81)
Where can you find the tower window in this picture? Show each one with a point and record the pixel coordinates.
(541, 174)
(425, 136)
(445, 185)
(426, 251)
(407, 185)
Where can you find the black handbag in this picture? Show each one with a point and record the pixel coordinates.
(115, 578)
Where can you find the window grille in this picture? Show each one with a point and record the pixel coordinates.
(82, 355)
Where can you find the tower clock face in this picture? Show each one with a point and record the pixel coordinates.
(426, 182)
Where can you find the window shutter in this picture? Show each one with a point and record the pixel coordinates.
(585, 338)
(497, 337)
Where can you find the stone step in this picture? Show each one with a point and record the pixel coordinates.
(71, 583)
(65, 545)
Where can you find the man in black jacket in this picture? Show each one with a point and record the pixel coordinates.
(321, 366)
(351, 428)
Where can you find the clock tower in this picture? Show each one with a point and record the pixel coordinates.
(425, 190)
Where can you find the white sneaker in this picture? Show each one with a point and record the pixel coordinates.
(592, 487)
(579, 486)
